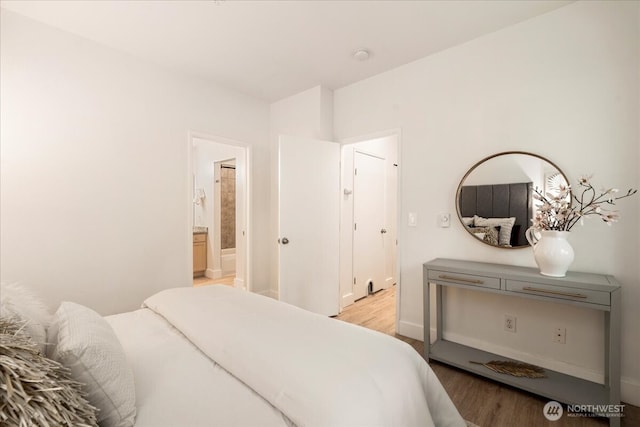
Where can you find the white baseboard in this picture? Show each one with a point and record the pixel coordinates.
(346, 300)
(239, 283)
(268, 293)
(411, 330)
(213, 274)
(630, 391)
(554, 365)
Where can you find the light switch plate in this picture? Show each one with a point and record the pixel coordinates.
(413, 219)
(444, 220)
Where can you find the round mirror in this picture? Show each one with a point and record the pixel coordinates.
(495, 201)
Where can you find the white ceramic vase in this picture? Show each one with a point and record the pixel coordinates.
(551, 250)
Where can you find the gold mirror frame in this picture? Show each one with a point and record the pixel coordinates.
(549, 167)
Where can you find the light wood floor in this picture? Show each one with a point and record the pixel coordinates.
(481, 401)
(225, 280)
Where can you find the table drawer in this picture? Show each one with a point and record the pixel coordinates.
(464, 279)
(200, 237)
(559, 292)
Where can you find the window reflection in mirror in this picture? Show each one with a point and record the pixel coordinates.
(495, 201)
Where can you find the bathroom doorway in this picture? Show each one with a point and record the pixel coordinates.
(221, 209)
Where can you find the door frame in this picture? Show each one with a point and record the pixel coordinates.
(346, 272)
(247, 283)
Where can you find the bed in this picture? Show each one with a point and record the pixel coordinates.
(219, 356)
(507, 206)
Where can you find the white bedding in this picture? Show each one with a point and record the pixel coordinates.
(178, 386)
(274, 364)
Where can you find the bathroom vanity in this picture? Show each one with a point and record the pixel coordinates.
(199, 251)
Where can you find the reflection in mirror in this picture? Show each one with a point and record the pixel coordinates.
(495, 200)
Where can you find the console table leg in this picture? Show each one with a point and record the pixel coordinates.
(426, 310)
(612, 353)
(439, 321)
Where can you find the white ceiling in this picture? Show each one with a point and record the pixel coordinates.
(274, 49)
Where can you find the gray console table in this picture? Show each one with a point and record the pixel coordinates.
(595, 291)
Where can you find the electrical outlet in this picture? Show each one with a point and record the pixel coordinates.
(509, 322)
(560, 335)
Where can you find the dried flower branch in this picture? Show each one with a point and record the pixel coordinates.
(556, 211)
(517, 369)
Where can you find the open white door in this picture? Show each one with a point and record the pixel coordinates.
(308, 224)
(369, 233)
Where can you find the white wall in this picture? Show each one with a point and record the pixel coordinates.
(563, 85)
(95, 200)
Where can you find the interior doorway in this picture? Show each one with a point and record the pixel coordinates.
(220, 206)
(315, 212)
(369, 216)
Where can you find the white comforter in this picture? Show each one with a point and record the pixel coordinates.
(317, 371)
(179, 386)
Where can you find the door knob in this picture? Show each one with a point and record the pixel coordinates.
(284, 240)
(384, 230)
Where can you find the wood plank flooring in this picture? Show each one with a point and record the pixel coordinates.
(481, 401)
(225, 280)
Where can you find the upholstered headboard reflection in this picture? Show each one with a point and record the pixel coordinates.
(500, 201)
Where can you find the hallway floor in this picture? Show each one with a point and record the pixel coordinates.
(203, 281)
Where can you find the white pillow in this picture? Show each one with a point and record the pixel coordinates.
(18, 301)
(468, 221)
(505, 224)
(85, 343)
